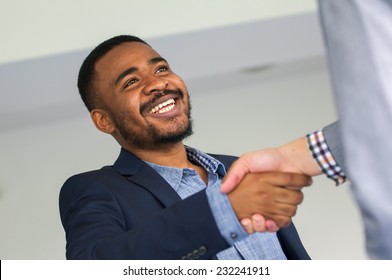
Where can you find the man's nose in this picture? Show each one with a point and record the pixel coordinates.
(155, 84)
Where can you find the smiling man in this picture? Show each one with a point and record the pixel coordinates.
(162, 199)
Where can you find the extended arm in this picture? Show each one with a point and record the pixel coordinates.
(302, 155)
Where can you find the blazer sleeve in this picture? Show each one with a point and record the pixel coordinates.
(332, 137)
(128, 222)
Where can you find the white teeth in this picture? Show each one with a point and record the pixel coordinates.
(163, 107)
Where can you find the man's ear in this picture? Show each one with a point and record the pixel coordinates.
(102, 121)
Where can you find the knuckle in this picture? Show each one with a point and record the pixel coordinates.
(300, 197)
(290, 211)
(293, 211)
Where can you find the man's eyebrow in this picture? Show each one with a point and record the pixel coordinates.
(131, 70)
(125, 73)
(156, 60)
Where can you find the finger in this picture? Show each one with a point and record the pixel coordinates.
(247, 225)
(293, 180)
(280, 221)
(288, 196)
(234, 176)
(258, 222)
(282, 210)
(271, 226)
(299, 187)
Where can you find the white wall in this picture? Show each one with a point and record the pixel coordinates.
(255, 110)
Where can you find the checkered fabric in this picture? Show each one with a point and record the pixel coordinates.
(321, 153)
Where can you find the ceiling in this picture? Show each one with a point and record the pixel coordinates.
(40, 28)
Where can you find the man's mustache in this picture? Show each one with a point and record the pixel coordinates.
(178, 93)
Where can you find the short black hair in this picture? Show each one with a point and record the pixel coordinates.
(87, 70)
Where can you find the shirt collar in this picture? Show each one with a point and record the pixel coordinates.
(173, 175)
(209, 163)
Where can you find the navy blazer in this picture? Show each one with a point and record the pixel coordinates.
(128, 211)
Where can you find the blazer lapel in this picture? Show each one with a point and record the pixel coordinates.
(141, 174)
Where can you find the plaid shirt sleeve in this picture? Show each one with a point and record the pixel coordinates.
(323, 156)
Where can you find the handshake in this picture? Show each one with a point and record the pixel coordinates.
(265, 187)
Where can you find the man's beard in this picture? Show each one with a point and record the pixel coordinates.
(171, 138)
(156, 136)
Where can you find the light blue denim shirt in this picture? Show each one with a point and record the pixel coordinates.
(187, 182)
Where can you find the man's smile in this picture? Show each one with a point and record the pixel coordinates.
(163, 107)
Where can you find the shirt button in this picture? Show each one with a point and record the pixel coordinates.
(233, 235)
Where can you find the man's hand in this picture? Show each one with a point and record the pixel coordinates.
(274, 194)
(294, 157)
(255, 162)
(258, 224)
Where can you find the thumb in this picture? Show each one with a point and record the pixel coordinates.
(234, 176)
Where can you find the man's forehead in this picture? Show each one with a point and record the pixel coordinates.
(125, 53)
(132, 49)
(122, 58)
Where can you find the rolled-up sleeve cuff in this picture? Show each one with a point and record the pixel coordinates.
(324, 158)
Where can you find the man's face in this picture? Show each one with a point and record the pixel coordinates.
(147, 103)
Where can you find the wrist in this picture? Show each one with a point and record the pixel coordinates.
(298, 158)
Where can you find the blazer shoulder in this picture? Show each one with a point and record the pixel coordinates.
(87, 179)
(91, 175)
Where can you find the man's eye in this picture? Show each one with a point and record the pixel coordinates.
(162, 69)
(130, 82)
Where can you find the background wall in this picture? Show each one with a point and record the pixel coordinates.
(257, 78)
